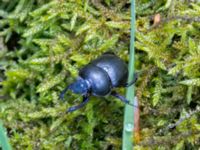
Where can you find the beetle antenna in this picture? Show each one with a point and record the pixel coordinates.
(85, 100)
(63, 93)
(122, 98)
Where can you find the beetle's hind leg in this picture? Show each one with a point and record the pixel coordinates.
(133, 81)
(122, 98)
(85, 100)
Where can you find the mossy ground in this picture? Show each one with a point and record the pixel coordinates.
(42, 45)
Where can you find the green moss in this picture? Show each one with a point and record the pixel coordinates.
(45, 42)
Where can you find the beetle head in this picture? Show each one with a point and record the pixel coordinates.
(80, 86)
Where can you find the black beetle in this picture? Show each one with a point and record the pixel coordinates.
(99, 77)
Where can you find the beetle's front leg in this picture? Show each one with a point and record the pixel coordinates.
(85, 100)
(122, 98)
(63, 93)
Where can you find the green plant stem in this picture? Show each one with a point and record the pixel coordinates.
(129, 110)
(4, 142)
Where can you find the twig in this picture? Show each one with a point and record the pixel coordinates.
(166, 141)
(171, 126)
(165, 20)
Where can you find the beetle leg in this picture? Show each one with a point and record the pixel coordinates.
(133, 81)
(63, 93)
(122, 98)
(85, 100)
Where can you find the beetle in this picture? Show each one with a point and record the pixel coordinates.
(99, 78)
